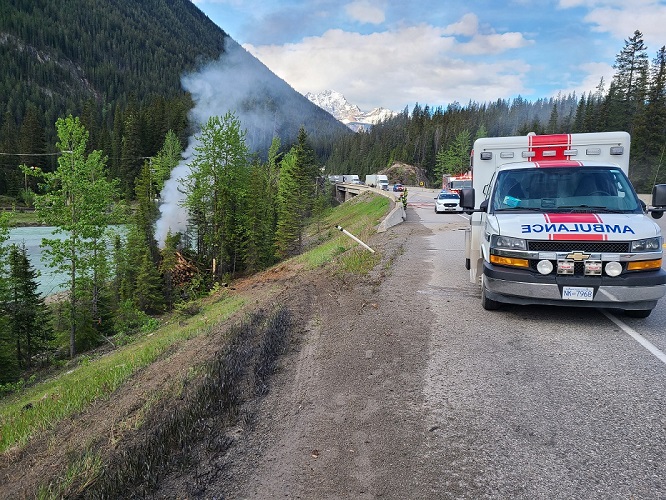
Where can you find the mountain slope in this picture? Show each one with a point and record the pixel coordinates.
(111, 62)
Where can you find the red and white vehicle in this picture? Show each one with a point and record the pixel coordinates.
(554, 220)
(455, 183)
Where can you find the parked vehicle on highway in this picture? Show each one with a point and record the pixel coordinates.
(557, 222)
(350, 178)
(447, 201)
(378, 180)
(398, 187)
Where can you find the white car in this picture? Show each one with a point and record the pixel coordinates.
(447, 201)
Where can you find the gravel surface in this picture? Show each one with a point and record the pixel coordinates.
(345, 415)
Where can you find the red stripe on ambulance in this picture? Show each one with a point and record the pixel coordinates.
(578, 237)
(554, 144)
(557, 218)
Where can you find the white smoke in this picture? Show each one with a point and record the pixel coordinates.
(239, 83)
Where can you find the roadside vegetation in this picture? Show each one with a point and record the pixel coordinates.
(38, 408)
(244, 216)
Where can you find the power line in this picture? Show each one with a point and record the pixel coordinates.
(31, 154)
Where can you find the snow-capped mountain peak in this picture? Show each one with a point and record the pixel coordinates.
(349, 114)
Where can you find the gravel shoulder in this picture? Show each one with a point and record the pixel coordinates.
(344, 417)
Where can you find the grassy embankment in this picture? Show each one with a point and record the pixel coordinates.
(90, 379)
(18, 218)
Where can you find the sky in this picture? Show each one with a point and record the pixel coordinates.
(395, 53)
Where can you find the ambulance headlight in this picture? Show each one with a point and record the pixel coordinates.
(545, 267)
(648, 245)
(507, 242)
(613, 269)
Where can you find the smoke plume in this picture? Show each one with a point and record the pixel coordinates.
(264, 104)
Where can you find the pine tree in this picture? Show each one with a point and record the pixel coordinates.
(455, 159)
(166, 160)
(28, 316)
(9, 359)
(216, 194)
(290, 208)
(168, 269)
(631, 67)
(148, 288)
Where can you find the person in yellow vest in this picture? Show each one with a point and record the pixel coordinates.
(404, 199)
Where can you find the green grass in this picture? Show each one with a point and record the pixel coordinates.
(42, 406)
(359, 216)
(358, 261)
(18, 219)
(78, 476)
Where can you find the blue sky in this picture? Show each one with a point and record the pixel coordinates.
(394, 53)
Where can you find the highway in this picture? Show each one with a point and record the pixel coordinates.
(537, 402)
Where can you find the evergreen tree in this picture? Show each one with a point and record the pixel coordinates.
(147, 212)
(9, 175)
(553, 122)
(132, 157)
(9, 359)
(166, 159)
(28, 316)
(216, 193)
(148, 295)
(168, 268)
(648, 146)
(290, 208)
(631, 67)
(455, 159)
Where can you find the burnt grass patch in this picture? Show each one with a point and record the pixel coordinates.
(202, 417)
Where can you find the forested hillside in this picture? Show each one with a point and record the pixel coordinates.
(116, 65)
(634, 101)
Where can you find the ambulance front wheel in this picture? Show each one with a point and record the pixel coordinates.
(486, 303)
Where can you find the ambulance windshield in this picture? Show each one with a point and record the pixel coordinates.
(566, 189)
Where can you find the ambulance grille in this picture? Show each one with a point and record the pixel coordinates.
(580, 246)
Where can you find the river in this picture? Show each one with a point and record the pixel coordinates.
(50, 281)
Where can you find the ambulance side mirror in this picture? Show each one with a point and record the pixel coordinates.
(467, 199)
(658, 201)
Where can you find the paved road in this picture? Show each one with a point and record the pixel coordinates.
(537, 402)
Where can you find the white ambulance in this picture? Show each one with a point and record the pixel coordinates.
(554, 220)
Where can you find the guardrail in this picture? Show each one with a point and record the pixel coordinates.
(345, 191)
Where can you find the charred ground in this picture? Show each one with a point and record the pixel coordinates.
(296, 395)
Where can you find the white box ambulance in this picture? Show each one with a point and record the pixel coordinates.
(554, 220)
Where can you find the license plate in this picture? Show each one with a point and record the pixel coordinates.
(577, 293)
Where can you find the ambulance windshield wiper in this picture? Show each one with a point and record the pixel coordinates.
(589, 208)
(519, 209)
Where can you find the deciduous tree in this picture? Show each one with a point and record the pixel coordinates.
(78, 204)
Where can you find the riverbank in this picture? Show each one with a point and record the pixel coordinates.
(22, 216)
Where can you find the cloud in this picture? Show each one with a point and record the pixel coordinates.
(396, 68)
(467, 26)
(620, 18)
(364, 12)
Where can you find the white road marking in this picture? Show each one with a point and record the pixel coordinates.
(636, 336)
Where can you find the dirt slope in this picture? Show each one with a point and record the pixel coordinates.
(342, 418)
